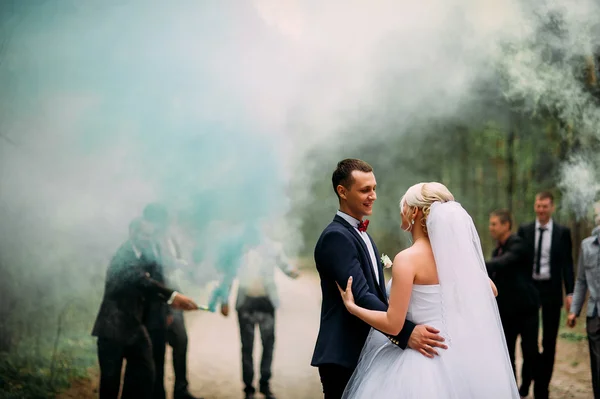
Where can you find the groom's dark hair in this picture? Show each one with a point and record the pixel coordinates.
(342, 175)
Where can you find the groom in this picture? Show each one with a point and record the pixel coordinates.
(343, 250)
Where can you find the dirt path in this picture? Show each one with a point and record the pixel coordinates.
(214, 353)
(214, 360)
(571, 378)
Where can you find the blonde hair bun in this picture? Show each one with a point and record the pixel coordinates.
(423, 195)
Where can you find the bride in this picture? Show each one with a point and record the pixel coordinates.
(440, 281)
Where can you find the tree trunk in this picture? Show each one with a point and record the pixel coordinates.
(7, 306)
(592, 76)
(510, 160)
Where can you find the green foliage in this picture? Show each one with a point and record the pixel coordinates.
(47, 341)
(572, 336)
(32, 372)
(575, 334)
(497, 163)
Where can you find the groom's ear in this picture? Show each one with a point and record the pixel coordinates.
(341, 190)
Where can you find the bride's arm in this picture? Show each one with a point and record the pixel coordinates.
(494, 289)
(392, 321)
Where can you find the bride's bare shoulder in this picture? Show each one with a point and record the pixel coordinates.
(405, 257)
(408, 254)
(403, 266)
(412, 255)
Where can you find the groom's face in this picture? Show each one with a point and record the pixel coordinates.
(360, 196)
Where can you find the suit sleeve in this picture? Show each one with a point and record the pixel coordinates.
(580, 287)
(122, 276)
(509, 259)
(337, 259)
(153, 287)
(568, 274)
(528, 248)
(402, 339)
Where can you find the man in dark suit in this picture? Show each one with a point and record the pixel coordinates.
(518, 300)
(131, 291)
(343, 250)
(550, 256)
(173, 263)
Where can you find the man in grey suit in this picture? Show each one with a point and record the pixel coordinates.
(256, 302)
(588, 270)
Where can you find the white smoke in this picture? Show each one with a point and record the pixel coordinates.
(580, 187)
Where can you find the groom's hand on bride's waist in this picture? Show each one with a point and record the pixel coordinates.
(425, 339)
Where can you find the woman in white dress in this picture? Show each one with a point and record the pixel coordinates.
(440, 281)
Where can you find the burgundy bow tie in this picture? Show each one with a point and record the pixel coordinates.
(362, 226)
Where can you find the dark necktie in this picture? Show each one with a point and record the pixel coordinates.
(538, 254)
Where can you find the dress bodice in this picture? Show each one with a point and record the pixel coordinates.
(425, 305)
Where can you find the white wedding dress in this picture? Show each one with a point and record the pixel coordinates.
(476, 364)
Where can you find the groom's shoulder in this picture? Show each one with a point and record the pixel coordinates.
(333, 226)
(333, 229)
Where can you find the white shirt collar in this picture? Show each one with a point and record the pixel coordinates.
(138, 253)
(548, 225)
(350, 219)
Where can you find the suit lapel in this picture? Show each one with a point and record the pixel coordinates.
(131, 256)
(554, 246)
(364, 247)
(531, 238)
(379, 268)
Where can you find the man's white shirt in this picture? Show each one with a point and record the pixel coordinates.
(354, 223)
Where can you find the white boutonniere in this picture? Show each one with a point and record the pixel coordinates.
(386, 261)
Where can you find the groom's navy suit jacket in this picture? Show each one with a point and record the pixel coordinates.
(339, 254)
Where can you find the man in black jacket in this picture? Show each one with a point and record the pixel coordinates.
(551, 264)
(518, 300)
(121, 325)
(176, 334)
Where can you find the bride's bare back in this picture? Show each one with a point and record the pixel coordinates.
(422, 262)
(420, 257)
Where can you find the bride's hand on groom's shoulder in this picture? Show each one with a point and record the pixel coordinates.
(425, 339)
(347, 295)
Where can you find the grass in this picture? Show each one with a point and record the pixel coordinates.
(572, 336)
(576, 334)
(31, 372)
